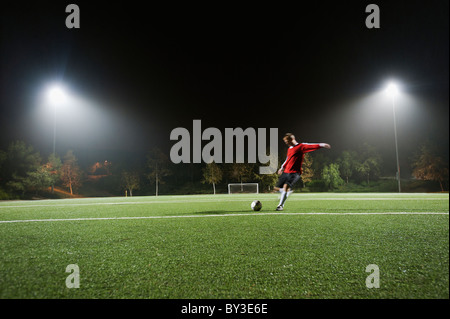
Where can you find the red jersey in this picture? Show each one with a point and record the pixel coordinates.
(295, 156)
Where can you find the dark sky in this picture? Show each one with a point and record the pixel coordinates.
(142, 70)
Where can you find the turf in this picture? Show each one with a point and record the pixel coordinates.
(216, 247)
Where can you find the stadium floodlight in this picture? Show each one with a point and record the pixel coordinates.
(392, 90)
(56, 95)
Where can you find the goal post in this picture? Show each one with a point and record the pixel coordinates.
(243, 188)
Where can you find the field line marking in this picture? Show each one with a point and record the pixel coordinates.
(216, 215)
(214, 201)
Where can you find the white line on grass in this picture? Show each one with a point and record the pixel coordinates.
(212, 201)
(217, 215)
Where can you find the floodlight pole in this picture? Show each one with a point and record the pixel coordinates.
(396, 143)
(54, 141)
(54, 132)
(56, 98)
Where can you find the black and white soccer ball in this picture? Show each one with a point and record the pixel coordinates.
(256, 205)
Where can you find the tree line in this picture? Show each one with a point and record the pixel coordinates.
(24, 173)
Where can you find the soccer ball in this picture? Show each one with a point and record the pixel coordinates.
(256, 205)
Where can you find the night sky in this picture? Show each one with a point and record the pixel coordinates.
(138, 71)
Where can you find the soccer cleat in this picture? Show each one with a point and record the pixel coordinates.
(279, 208)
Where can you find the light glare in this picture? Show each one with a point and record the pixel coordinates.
(56, 95)
(392, 89)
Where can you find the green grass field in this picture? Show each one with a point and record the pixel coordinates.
(213, 247)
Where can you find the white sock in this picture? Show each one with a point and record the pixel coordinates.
(289, 193)
(280, 190)
(283, 198)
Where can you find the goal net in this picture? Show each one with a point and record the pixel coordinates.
(243, 188)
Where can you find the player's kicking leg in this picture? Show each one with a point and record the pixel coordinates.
(287, 189)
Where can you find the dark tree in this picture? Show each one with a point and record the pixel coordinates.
(430, 166)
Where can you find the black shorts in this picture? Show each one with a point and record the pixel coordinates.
(288, 178)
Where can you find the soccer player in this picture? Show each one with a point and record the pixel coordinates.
(291, 170)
